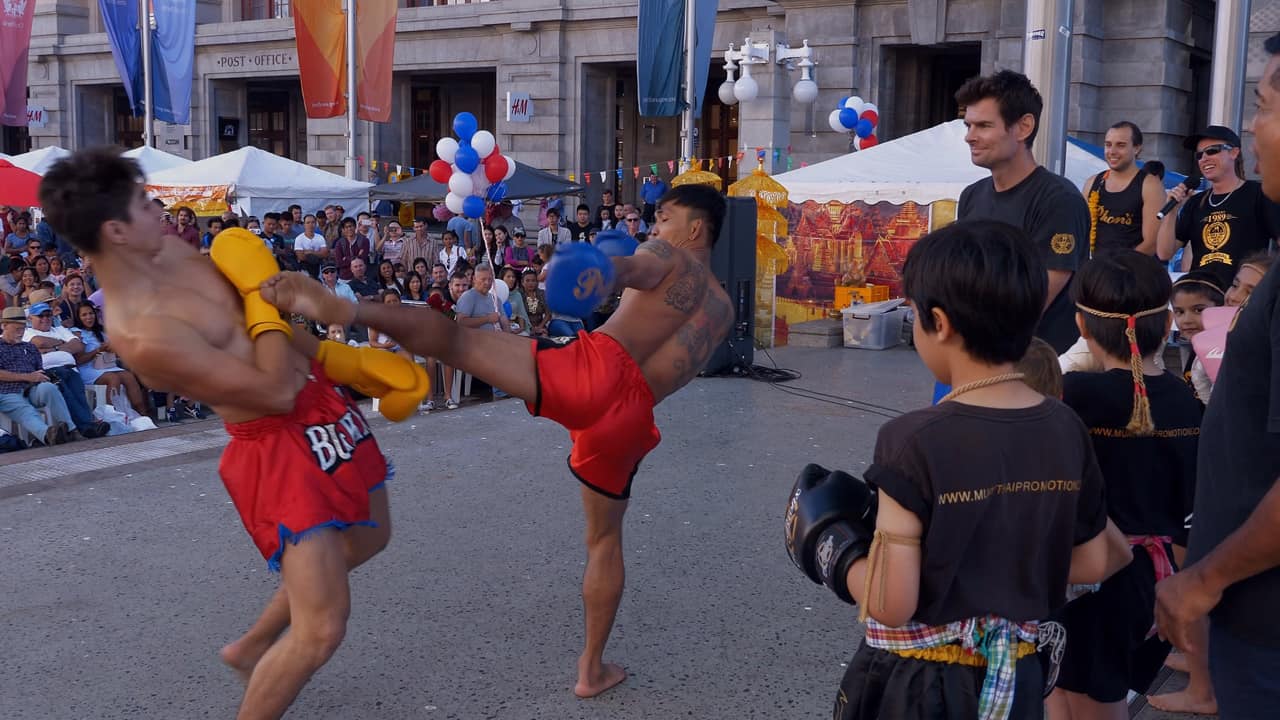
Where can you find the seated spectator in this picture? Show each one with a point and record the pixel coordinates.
(72, 296)
(97, 362)
(29, 282)
(362, 287)
(58, 347)
(401, 272)
(41, 266)
(512, 280)
(423, 268)
(35, 249)
(18, 239)
(532, 302)
(478, 308)
(439, 275)
(468, 271)
(57, 271)
(11, 278)
(387, 279)
(413, 289)
(329, 277)
(25, 387)
(382, 341)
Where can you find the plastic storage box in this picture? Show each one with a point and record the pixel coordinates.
(874, 326)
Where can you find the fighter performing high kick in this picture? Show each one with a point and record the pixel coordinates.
(603, 386)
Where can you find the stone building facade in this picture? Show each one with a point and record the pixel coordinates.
(1142, 60)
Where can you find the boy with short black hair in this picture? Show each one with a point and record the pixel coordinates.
(1145, 427)
(979, 523)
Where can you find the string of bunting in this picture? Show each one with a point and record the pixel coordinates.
(589, 176)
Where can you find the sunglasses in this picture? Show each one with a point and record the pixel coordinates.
(1212, 150)
(633, 219)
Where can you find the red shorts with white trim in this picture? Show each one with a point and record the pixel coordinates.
(310, 469)
(595, 390)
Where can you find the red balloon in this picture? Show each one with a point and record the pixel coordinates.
(871, 115)
(497, 150)
(495, 167)
(868, 141)
(440, 171)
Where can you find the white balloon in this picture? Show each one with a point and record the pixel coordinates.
(834, 121)
(446, 148)
(460, 184)
(453, 202)
(870, 106)
(479, 183)
(501, 290)
(511, 168)
(855, 104)
(483, 143)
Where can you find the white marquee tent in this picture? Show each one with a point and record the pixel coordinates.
(39, 161)
(922, 167)
(259, 182)
(154, 161)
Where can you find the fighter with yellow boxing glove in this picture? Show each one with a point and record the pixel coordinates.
(400, 384)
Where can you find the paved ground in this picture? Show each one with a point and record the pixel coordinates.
(127, 567)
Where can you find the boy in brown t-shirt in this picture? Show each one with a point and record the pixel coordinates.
(988, 503)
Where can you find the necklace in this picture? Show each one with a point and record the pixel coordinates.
(1213, 204)
(985, 382)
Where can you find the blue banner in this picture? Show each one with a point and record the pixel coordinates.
(173, 55)
(659, 57)
(704, 26)
(120, 18)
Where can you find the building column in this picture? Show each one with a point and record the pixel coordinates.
(766, 121)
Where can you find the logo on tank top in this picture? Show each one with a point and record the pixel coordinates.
(1105, 217)
(335, 443)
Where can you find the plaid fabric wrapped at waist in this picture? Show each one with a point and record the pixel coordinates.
(988, 641)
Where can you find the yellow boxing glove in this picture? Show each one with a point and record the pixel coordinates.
(245, 260)
(399, 383)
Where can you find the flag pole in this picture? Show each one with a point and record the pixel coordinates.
(351, 89)
(148, 115)
(687, 119)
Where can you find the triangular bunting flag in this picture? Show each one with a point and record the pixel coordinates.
(636, 171)
(399, 170)
(619, 173)
(587, 176)
(654, 168)
(602, 175)
(671, 166)
(571, 178)
(373, 164)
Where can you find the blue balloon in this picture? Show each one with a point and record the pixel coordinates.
(579, 279)
(506, 308)
(464, 126)
(473, 206)
(496, 192)
(616, 243)
(863, 128)
(843, 100)
(466, 159)
(848, 118)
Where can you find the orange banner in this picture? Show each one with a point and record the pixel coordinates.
(375, 41)
(321, 27)
(204, 200)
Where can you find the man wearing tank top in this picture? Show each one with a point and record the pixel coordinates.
(1123, 200)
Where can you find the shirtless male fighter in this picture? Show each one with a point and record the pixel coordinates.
(302, 467)
(602, 387)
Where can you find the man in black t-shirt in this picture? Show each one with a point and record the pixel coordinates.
(1123, 200)
(1233, 562)
(1226, 223)
(582, 224)
(1002, 114)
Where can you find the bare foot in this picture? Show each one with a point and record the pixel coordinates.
(1183, 702)
(242, 657)
(296, 292)
(602, 678)
(1177, 662)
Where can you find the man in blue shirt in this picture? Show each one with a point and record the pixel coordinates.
(653, 190)
(464, 229)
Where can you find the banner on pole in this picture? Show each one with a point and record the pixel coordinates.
(173, 54)
(120, 19)
(15, 42)
(321, 27)
(658, 74)
(375, 42)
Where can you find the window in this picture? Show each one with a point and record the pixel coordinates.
(265, 9)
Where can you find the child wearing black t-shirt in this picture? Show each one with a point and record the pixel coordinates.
(989, 502)
(1145, 426)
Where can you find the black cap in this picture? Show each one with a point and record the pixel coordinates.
(1213, 132)
(518, 231)
(328, 266)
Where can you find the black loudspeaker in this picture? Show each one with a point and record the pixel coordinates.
(733, 260)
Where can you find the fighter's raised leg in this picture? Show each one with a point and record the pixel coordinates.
(498, 358)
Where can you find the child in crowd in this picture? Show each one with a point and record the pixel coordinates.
(982, 521)
(1193, 293)
(1145, 426)
(1247, 278)
(379, 339)
(1040, 367)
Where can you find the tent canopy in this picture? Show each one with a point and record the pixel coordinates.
(39, 161)
(260, 182)
(922, 167)
(527, 182)
(154, 161)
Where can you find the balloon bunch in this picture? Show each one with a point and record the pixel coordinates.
(858, 117)
(472, 166)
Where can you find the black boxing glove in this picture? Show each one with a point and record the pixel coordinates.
(829, 523)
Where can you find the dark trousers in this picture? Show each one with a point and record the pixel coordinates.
(1246, 677)
(72, 389)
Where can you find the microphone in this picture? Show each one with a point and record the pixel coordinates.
(1191, 183)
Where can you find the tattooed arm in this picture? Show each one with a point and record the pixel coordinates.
(645, 270)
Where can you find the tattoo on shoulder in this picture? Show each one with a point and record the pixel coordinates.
(657, 247)
(689, 288)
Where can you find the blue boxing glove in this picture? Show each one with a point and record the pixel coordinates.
(616, 243)
(579, 279)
